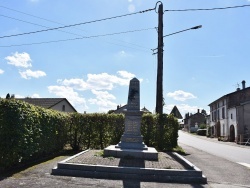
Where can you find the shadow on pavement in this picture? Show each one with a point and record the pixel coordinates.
(19, 168)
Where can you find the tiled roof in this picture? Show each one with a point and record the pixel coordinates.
(145, 110)
(44, 102)
(176, 112)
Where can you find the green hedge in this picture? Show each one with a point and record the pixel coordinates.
(28, 132)
(95, 130)
(160, 131)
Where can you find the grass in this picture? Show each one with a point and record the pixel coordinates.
(99, 154)
(177, 149)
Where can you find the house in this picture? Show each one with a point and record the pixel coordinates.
(120, 109)
(193, 121)
(230, 116)
(59, 104)
(123, 109)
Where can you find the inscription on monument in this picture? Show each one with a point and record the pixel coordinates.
(131, 127)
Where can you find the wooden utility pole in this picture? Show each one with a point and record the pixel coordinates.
(159, 90)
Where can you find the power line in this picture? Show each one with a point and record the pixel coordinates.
(73, 25)
(79, 38)
(60, 24)
(36, 24)
(30, 15)
(203, 9)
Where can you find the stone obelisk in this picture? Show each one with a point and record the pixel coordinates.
(131, 143)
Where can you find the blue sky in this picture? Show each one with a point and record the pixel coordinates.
(93, 73)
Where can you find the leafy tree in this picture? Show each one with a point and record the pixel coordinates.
(8, 96)
(204, 112)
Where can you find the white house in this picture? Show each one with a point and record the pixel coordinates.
(59, 104)
(230, 115)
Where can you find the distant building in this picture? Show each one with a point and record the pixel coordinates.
(59, 104)
(230, 115)
(176, 112)
(123, 109)
(193, 121)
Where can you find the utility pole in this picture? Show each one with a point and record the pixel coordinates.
(159, 84)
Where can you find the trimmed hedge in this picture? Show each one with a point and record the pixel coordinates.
(202, 132)
(28, 132)
(95, 130)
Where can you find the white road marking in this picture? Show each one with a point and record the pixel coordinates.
(244, 164)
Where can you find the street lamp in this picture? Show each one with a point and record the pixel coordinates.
(196, 27)
(159, 90)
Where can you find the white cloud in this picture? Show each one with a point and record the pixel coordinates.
(102, 81)
(28, 74)
(1, 71)
(126, 74)
(19, 60)
(123, 54)
(103, 100)
(76, 83)
(71, 95)
(35, 95)
(99, 84)
(180, 95)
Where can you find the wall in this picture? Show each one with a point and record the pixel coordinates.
(59, 106)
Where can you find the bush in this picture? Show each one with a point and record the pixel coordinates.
(28, 132)
(202, 126)
(202, 132)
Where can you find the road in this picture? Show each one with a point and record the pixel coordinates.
(219, 161)
(233, 153)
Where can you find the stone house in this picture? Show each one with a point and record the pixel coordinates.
(59, 104)
(230, 116)
(193, 121)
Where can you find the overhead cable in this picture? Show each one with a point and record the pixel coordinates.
(85, 37)
(37, 24)
(73, 25)
(202, 9)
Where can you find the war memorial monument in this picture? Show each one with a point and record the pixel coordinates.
(131, 143)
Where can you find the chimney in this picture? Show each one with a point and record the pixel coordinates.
(118, 107)
(243, 84)
(198, 110)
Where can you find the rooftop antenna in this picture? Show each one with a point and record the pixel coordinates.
(237, 85)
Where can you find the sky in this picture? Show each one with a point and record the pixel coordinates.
(93, 71)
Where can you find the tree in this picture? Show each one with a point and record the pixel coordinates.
(8, 96)
(204, 112)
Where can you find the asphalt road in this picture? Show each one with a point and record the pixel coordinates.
(232, 152)
(219, 161)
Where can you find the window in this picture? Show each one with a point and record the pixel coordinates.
(223, 113)
(218, 111)
(63, 108)
(231, 116)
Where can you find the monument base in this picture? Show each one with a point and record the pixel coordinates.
(148, 154)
